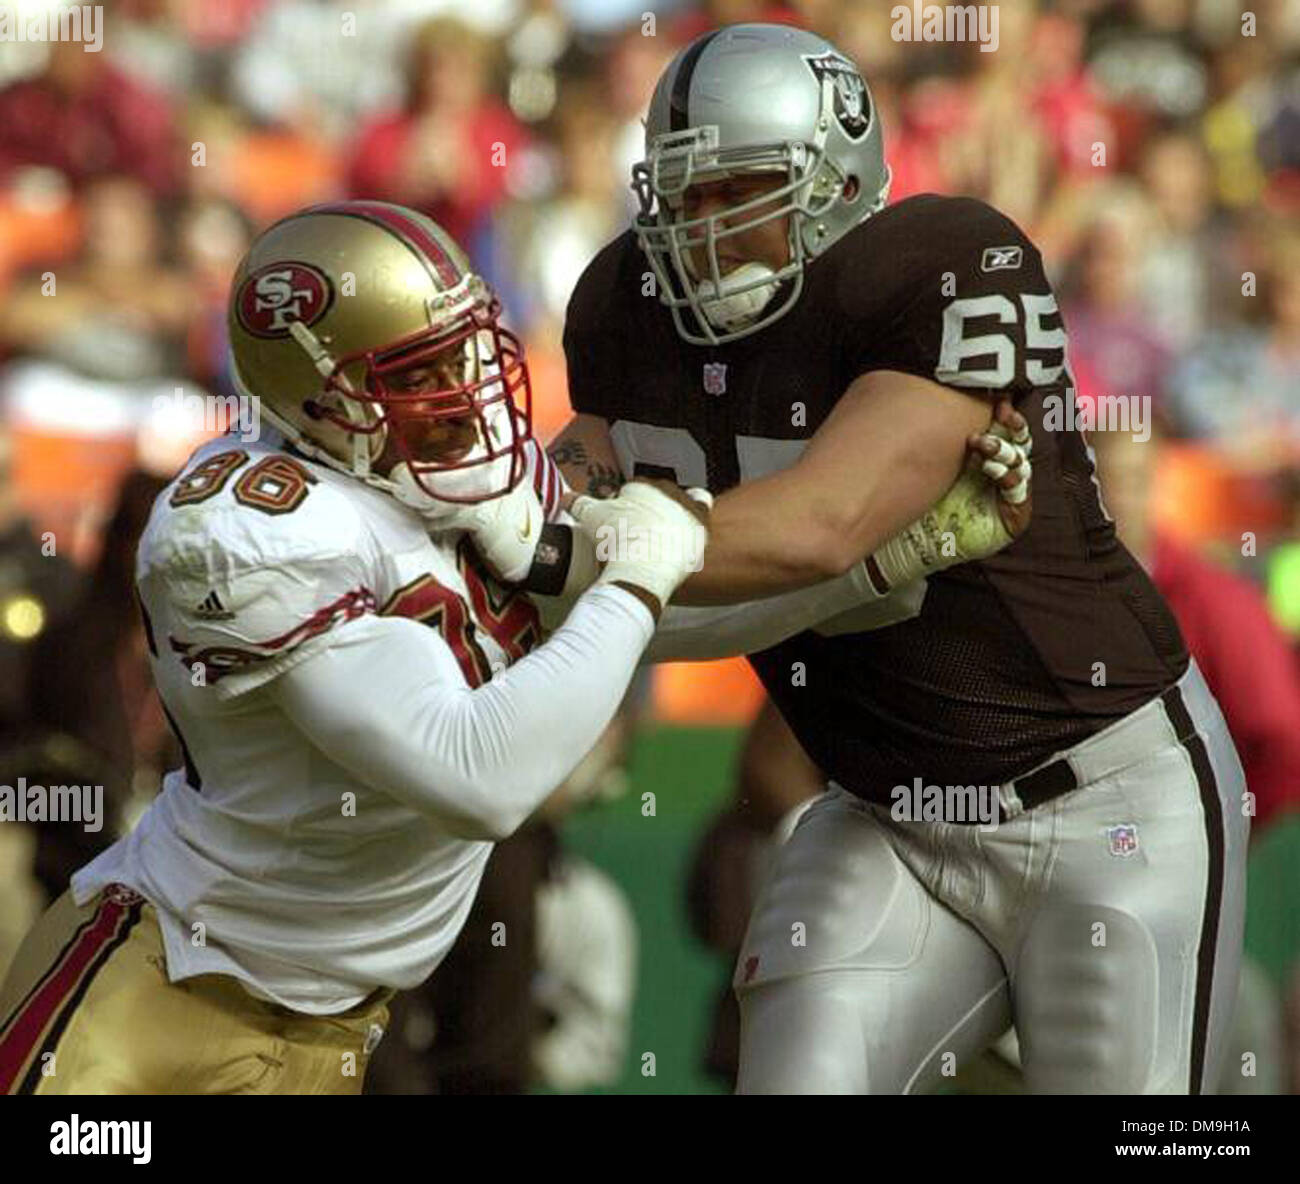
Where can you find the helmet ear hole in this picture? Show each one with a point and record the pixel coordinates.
(852, 189)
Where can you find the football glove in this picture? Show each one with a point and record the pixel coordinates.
(968, 522)
(644, 537)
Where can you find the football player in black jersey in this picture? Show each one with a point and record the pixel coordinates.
(1034, 810)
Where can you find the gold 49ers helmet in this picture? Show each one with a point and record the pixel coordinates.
(334, 306)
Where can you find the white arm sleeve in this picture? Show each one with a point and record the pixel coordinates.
(689, 633)
(387, 702)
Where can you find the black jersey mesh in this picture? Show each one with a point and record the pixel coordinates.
(955, 697)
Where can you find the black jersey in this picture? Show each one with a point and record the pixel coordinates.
(1010, 659)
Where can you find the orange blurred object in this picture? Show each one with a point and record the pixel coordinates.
(1199, 497)
(274, 173)
(40, 234)
(68, 484)
(726, 692)
(550, 384)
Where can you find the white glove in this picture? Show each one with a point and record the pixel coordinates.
(965, 524)
(643, 537)
(505, 530)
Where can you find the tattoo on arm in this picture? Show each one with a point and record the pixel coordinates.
(602, 480)
(568, 452)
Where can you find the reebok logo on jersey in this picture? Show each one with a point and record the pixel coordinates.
(1002, 259)
(210, 608)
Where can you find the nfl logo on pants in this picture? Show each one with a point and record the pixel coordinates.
(1123, 839)
(715, 378)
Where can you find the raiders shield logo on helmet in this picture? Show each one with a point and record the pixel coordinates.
(852, 103)
(279, 293)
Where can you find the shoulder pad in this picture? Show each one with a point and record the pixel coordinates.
(949, 289)
(237, 585)
(247, 506)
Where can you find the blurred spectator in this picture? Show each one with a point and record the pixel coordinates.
(211, 238)
(85, 117)
(547, 244)
(1103, 298)
(317, 66)
(470, 1027)
(118, 297)
(208, 26)
(450, 150)
(1067, 98)
(91, 693)
(39, 590)
(1145, 57)
(1249, 113)
(1179, 270)
(267, 170)
(1240, 388)
(975, 152)
(536, 50)
(149, 42)
(586, 980)
(1224, 619)
(632, 66)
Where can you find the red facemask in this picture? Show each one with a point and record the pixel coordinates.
(500, 397)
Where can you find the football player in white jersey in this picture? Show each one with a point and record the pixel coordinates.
(362, 709)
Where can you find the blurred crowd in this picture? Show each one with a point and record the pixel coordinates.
(1150, 147)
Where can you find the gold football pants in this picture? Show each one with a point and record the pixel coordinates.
(87, 1008)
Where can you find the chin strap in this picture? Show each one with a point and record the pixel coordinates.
(325, 365)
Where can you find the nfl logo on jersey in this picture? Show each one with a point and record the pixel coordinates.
(1123, 839)
(715, 378)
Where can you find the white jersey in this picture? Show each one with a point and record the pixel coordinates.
(309, 885)
(346, 767)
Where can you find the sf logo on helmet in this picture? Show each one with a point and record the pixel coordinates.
(279, 293)
(852, 104)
